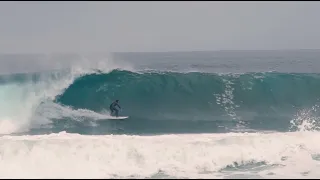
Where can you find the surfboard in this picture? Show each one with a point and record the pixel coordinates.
(119, 117)
(113, 118)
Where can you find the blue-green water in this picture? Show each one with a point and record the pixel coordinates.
(195, 114)
(195, 102)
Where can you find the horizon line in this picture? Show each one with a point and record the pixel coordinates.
(182, 51)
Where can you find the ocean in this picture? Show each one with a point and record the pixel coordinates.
(220, 114)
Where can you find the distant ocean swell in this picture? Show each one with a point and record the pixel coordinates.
(158, 102)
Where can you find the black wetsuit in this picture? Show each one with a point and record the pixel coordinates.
(114, 109)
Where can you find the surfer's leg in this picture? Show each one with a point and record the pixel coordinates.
(116, 110)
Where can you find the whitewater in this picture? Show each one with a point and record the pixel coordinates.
(223, 114)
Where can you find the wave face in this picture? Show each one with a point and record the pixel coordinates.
(197, 102)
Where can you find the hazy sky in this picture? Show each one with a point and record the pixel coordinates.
(42, 27)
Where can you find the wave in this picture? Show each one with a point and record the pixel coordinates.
(158, 102)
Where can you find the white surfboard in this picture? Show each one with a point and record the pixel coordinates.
(119, 117)
(113, 118)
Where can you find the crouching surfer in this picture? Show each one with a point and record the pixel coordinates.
(113, 108)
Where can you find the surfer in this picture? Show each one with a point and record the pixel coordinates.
(113, 107)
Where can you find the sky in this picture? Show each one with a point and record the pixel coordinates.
(49, 27)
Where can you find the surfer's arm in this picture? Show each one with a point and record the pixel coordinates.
(118, 106)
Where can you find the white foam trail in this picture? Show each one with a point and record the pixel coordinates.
(194, 156)
(21, 100)
(52, 110)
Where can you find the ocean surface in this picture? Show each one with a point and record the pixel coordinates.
(221, 114)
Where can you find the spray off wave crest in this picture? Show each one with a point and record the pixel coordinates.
(25, 96)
